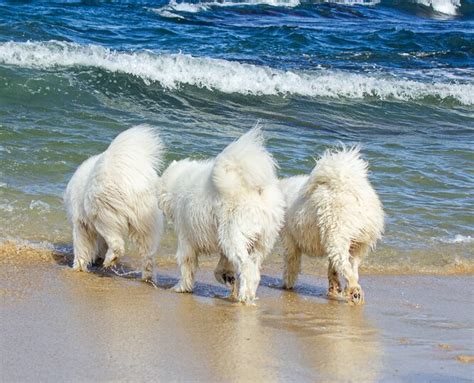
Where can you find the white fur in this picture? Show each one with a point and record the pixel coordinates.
(114, 194)
(333, 212)
(229, 205)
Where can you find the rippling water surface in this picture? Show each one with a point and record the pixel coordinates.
(395, 76)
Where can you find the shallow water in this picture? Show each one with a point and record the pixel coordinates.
(69, 326)
(394, 76)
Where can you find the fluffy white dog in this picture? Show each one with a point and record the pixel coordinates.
(114, 194)
(230, 205)
(333, 212)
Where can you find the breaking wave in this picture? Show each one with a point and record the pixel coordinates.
(173, 6)
(448, 7)
(458, 239)
(173, 71)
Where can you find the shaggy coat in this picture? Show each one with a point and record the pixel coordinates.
(333, 212)
(230, 205)
(114, 194)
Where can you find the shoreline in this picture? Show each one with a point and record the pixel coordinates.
(76, 326)
(315, 266)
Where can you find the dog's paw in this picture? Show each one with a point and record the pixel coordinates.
(288, 285)
(225, 277)
(80, 265)
(248, 301)
(229, 278)
(334, 293)
(355, 295)
(109, 262)
(147, 276)
(179, 288)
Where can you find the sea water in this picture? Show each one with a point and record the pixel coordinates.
(396, 77)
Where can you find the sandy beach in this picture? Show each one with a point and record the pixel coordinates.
(60, 325)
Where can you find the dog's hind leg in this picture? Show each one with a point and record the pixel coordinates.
(256, 257)
(249, 278)
(358, 252)
(225, 272)
(147, 247)
(147, 238)
(292, 263)
(84, 246)
(333, 277)
(148, 258)
(238, 249)
(188, 263)
(112, 229)
(101, 248)
(115, 246)
(339, 256)
(116, 249)
(247, 270)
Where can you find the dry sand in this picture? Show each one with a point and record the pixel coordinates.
(60, 325)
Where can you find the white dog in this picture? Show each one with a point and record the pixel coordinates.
(114, 194)
(229, 205)
(333, 212)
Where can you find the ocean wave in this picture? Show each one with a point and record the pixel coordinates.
(173, 71)
(448, 7)
(194, 7)
(39, 205)
(458, 239)
(173, 6)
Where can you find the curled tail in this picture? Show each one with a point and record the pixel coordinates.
(136, 148)
(244, 165)
(339, 169)
(348, 206)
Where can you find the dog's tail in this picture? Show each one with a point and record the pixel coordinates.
(245, 165)
(340, 179)
(136, 148)
(339, 169)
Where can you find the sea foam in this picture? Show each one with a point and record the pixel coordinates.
(184, 6)
(448, 7)
(173, 8)
(458, 239)
(172, 71)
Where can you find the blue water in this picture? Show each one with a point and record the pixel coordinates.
(395, 76)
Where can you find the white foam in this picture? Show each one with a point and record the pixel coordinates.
(448, 7)
(172, 71)
(39, 205)
(6, 207)
(460, 239)
(173, 6)
(169, 9)
(349, 2)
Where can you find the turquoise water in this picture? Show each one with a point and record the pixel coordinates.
(394, 76)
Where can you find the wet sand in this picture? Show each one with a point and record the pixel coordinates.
(60, 325)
